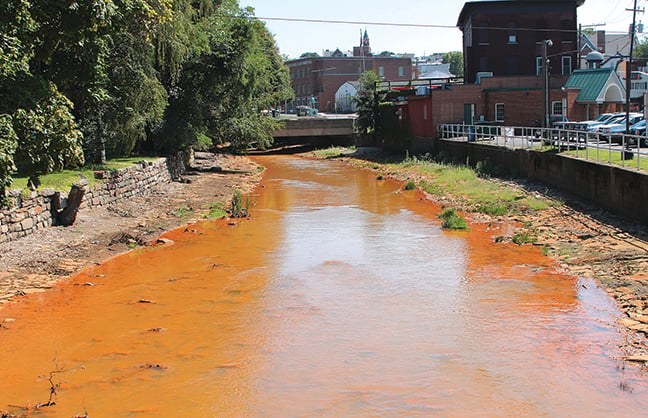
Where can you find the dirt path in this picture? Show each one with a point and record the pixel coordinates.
(36, 262)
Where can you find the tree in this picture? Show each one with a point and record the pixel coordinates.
(386, 54)
(48, 138)
(455, 59)
(367, 100)
(641, 50)
(309, 55)
(221, 90)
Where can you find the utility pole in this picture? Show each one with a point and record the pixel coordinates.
(634, 11)
(546, 101)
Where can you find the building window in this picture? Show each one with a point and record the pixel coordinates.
(425, 113)
(512, 33)
(381, 71)
(566, 65)
(483, 33)
(556, 108)
(538, 66)
(401, 71)
(499, 112)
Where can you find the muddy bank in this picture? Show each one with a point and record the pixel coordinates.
(36, 262)
(584, 240)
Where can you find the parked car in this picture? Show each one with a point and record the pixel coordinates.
(590, 125)
(306, 111)
(615, 131)
(639, 130)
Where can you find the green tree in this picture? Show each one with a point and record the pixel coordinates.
(367, 100)
(235, 73)
(641, 50)
(47, 136)
(309, 55)
(456, 61)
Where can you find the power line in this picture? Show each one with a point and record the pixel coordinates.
(410, 25)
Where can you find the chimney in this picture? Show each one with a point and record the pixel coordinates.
(600, 40)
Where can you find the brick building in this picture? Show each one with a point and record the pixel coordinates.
(506, 38)
(315, 80)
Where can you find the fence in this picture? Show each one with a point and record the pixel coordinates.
(622, 149)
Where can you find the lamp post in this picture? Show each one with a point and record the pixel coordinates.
(546, 103)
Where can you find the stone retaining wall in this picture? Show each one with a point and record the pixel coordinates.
(31, 211)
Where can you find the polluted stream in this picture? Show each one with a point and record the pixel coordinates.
(341, 296)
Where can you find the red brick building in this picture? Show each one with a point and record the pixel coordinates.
(506, 38)
(315, 80)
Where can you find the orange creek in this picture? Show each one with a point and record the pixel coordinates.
(342, 296)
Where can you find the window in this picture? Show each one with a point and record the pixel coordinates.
(538, 66)
(499, 112)
(566, 65)
(401, 71)
(512, 33)
(556, 108)
(425, 112)
(483, 33)
(381, 71)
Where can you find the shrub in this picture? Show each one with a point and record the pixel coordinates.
(240, 206)
(410, 185)
(451, 220)
(493, 209)
(524, 237)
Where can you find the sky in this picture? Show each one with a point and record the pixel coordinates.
(295, 38)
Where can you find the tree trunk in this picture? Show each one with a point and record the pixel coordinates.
(67, 216)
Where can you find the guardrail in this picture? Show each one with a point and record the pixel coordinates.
(622, 149)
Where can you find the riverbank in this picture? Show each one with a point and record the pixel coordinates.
(36, 262)
(584, 240)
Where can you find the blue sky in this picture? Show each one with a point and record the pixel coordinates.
(295, 38)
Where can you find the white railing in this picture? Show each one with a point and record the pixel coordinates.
(625, 150)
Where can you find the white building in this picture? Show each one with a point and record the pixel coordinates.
(344, 96)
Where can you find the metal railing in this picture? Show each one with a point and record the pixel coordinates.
(621, 149)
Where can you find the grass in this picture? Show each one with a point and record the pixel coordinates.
(451, 220)
(182, 212)
(410, 185)
(63, 180)
(216, 211)
(524, 237)
(332, 152)
(462, 181)
(604, 156)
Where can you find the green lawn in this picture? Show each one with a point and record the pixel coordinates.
(63, 180)
(604, 156)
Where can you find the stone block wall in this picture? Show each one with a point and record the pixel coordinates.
(32, 211)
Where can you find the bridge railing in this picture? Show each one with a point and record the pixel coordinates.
(621, 149)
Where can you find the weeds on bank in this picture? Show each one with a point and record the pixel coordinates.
(182, 212)
(216, 211)
(240, 206)
(524, 237)
(333, 152)
(451, 220)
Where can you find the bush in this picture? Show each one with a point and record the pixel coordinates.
(524, 237)
(493, 209)
(410, 185)
(451, 220)
(240, 207)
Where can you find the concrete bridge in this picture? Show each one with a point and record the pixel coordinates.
(314, 127)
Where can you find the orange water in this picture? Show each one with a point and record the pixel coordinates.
(341, 297)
